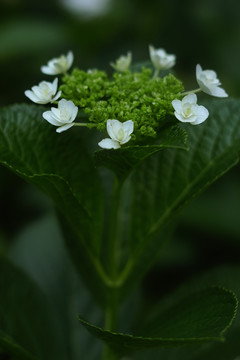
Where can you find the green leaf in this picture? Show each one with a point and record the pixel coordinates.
(123, 161)
(39, 250)
(28, 323)
(227, 276)
(59, 165)
(9, 347)
(201, 317)
(167, 181)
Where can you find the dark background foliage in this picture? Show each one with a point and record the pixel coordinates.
(205, 32)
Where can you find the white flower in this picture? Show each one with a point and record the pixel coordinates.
(58, 65)
(160, 59)
(120, 133)
(44, 93)
(122, 63)
(209, 83)
(63, 116)
(188, 111)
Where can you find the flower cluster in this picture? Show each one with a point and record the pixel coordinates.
(143, 97)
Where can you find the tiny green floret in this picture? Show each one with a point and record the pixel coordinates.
(136, 96)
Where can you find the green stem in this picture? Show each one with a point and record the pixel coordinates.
(85, 124)
(155, 75)
(113, 231)
(111, 312)
(191, 92)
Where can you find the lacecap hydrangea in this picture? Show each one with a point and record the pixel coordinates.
(131, 106)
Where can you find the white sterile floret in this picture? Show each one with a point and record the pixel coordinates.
(122, 63)
(58, 65)
(160, 59)
(44, 93)
(188, 111)
(63, 116)
(120, 133)
(209, 83)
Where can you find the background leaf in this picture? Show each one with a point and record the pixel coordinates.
(40, 251)
(62, 168)
(227, 276)
(28, 324)
(201, 317)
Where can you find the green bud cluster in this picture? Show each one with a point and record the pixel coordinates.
(126, 96)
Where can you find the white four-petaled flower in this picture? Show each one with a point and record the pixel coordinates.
(120, 133)
(160, 59)
(189, 111)
(209, 83)
(122, 63)
(44, 93)
(58, 65)
(63, 116)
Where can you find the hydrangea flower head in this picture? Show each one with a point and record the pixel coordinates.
(58, 65)
(188, 111)
(160, 59)
(63, 116)
(122, 63)
(44, 93)
(209, 83)
(120, 133)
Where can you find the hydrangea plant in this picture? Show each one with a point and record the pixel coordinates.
(137, 123)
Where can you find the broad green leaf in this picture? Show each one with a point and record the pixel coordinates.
(39, 250)
(28, 323)
(59, 165)
(201, 317)
(168, 180)
(123, 161)
(7, 346)
(227, 276)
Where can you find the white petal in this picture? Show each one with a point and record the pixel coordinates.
(191, 99)
(177, 105)
(128, 127)
(74, 113)
(202, 115)
(55, 112)
(48, 70)
(198, 70)
(70, 58)
(64, 128)
(113, 126)
(62, 103)
(125, 140)
(109, 144)
(33, 97)
(48, 115)
(217, 91)
(57, 96)
(183, 119)
(55, 85)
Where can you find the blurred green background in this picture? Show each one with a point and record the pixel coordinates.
(98, 31)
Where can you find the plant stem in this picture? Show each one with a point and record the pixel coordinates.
(155, 75)
(113, 231)
(85, 124)
(191, 92)
(111, 312)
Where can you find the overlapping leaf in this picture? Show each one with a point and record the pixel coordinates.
(165, 182)
(60, 166)
(200, 317)
(124, 160)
